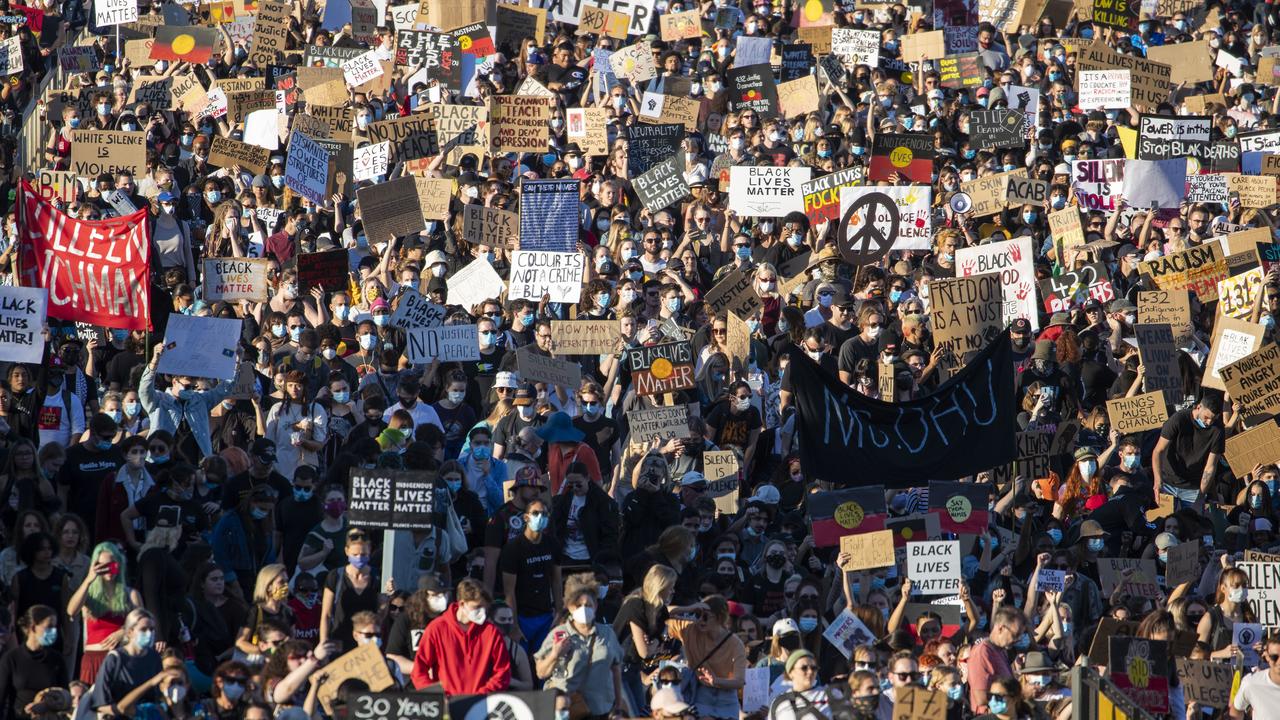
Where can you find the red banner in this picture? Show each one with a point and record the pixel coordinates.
(96, 271)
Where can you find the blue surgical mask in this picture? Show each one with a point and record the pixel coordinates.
(49, 637)
(744, 253)
(144, 639)
(807, 624)
(303, 495)
(997, 705)
(213, 196)
(116, 415)
(157, 459)
(895, 296)
(295, 334)
(358, 562)
(453, 485)
(278, 330)
(482, 452)
(1055, 535)
(955, 692)
(969, 154)
(258, 513)
(674, 304)
(1058, 202)
(1095, 545)
(858, 150)
(1200, 423)
(1086, 33)
(538, 523)
(1255, 501)
(132, 408)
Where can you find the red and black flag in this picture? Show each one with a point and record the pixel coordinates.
(912, 528)
(948, 617)
(845, 512)
(961, 507)
(184, 42)
(908, 155)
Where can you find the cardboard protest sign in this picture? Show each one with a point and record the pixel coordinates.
(966, 313)
(460, 129)
(868, 550)
(659, 422)
(1147, 411)
(1159, 356)
(1237, 293)
(415, 311)
(1264, 591)
(1206, 682)
(989, 192)
(226, 152)
(1172, 307)
(720, 468)
(366, 662)
(960, 71)
(370, 161)
(230, 279)
(1098, 184)
(588, 128)
(390, 209)
(584, 337)
(107, 13)
(1149, 81)
(515, 24)
(798, 97)
(1140, 583)
(634, 62)
(1254, 381)
(680, 25)
(1000, 128)
(766, 191)
(1138, 667)
(535, 367)
(328, 270)
(1232, 340)
(1259, 445)
(1104, 90)
(1188, 62)
(1208, 189)
(1183, 564)
(1026, 191)
(434, 195)
(1254, 191)
(95, 152)
(661, 186)
(203, 347)
(1197, 269)
(448, 343)
(662, 368)
(490, 226)
(473, 284)
(648, 145)
(535, 273)
(22, 318)
(735, 293)
(57, 185)
(921, 46)
(752, 87)
(934, 567)
(411, 137)
(603, 22)
(1051, 580)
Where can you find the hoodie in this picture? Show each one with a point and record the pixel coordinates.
(466, 659)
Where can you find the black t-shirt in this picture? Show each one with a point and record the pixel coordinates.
(733, 428)
(159, 504)
(457, 422)
(509, 427)
(505, 524)
(765, 597)
(633, 611)
(1189, 447)
(295, 520)
(351, 601)
(600, 435)
(240, 485)
(120, 369)
(531, 563)
(83, 473)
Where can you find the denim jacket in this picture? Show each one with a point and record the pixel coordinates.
(166, 411)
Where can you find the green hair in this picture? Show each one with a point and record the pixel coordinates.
(102, 600)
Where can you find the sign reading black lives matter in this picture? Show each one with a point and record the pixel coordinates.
(1164, 137)
(996, 129)
(391, 499)
(660, 187)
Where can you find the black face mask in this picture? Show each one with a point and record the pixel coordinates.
(776, 561)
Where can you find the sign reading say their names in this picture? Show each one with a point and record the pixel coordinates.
(934, 567)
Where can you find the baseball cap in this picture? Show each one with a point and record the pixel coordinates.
(1165, 540)
(692, 478)
(525, 395)
(785, 626)
(766, 494)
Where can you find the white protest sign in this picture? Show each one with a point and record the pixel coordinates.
(1244, 636)
(235, 279)
(1012, 259)
(1155, 183)
(915, 219)
(22, 315)
(474, 284)
(755, 695)
(1264, 590)
(847, 632)
(415, 311)
(767, 191)
(449, 343)
(114, 12)
(362, 68)
(202, 347)
(370, 161)
(535, 273)
(1104, 89)
(1051, 580)
(11, 56)
(856, 47)
(934, 567)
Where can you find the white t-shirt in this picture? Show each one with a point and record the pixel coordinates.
(1258, 692)
(423, 414)
(58, 423)
(575, 545)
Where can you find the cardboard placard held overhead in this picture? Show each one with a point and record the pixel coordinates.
(518, 123)
(1147, 411)
(225, 152)
(603, 22)
(1232, 340)
(1065, 226)
(494, 227)
(541, 368)
(1259, 445)
(1206, 682)
(1183, 564)
(1159, 356)
(921, 46)
(1149, 80)
(868, 550)
(584, 337)
(230, 279)
(390, 209)
(1172, 307)
(1254, 382)
(720, 467)
(658, 422)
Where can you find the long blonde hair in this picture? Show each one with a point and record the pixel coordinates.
(657, 583)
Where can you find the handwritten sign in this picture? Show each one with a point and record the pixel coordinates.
(1140, 412)
(868, 550)
(230, 279)
(584, 337)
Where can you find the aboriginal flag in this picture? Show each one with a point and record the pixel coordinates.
(852, 511)
(184, 42)
(909, 528)
(961, 507)
(909, 155)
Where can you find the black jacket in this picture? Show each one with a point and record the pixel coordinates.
(1126, 510)
(597, 521)
(645, 514)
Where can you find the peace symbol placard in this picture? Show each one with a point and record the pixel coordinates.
(868, 228)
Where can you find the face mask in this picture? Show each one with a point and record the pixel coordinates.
(1087, 468)
(278, 330)
(358, 562)
(674, 305)
(858, 150)
(294, 333)
(955, 692)
(873, 332)
(437, 603)
(157, 459)
(1059, 202)
(584, 615)
(368, 342)
(1200, 423)
(1095, 544)
(753, 325)
(482, 452)
(258, 513)
(175, 694)
(341, 312)
(538, 523)
(479, 616)
(1238, 595)
(302, 495)
(1130, 462)
(277, 181)
(144, 638)
(233, 691)
(1023, 642)
(998, 705)
(1055, 535)
(213, 196)
(776, 561)
(742, 405)
(627, 296)
(1255, 501)
(335, 508)
(808, 624)
(1028, 218)
(381, 320)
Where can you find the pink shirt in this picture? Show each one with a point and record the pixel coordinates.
(986, 662)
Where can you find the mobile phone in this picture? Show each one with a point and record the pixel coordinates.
(113, 568)
(559, 636)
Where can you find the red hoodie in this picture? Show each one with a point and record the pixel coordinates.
(466, 660)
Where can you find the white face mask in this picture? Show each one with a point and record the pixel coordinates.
(479, 616)
(437, 603)
(584, 615)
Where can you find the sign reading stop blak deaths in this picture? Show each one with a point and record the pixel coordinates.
(657, 369)
(535, 273)
(391, 499)
(549, 215)
(1164, 137)
(996, 129)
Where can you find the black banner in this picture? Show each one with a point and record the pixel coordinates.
(753, 88)
(392, 499)
(996, 129)
(965, 427)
